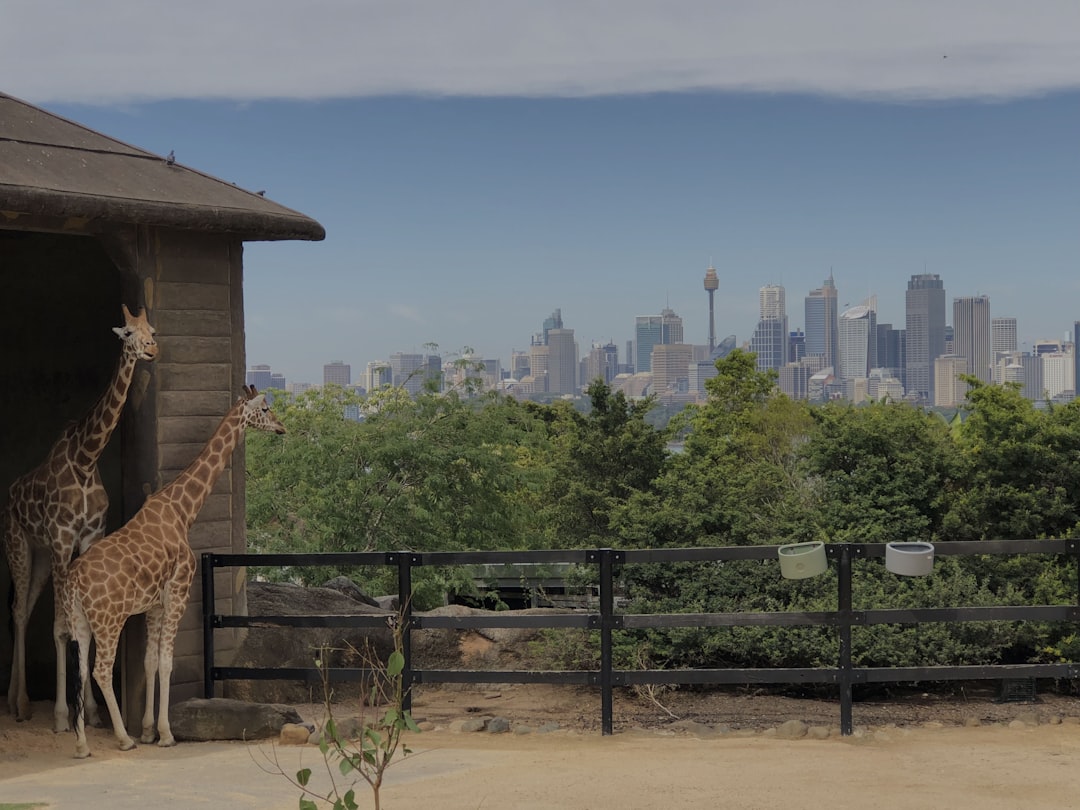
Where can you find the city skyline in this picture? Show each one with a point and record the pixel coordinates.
(955, 312)
(476, 170)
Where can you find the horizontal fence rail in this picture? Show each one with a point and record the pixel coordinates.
(607, 621)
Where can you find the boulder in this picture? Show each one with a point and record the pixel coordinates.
(350, 589)
(202, 719)
(301, 647)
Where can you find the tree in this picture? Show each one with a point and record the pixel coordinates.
(1019, 467)
(599, 460)
(881, 472)
(434, 472)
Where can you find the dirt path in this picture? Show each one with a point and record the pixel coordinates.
(900, 764)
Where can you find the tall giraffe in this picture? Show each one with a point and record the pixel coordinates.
(147, 567)
(61, 506)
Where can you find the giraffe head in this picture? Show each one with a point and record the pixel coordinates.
(257, 413)
(137, 335)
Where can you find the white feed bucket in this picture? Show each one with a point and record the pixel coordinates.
(802, 560)
(910, 559)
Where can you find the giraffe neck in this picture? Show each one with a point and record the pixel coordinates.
(193, 485)
(92, 433)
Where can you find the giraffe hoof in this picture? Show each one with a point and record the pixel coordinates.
(82, 752)
(148, 737)
(127, 745)
(166, 742)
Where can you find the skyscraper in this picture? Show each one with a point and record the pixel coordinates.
(712, 283)
(653, 330)
(337, 373)
(1076, 357)
(259, 376)
(671, 368)
(377, 374)
(770, 338)
(890, 350)
(858, 342)
(822, 323)
(562, 361)
(1002, 335)
(971, 334)
(925, 340)
(554, 321)
(1002, 345)
(408, 371)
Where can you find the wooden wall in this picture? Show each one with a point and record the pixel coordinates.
(193, 286)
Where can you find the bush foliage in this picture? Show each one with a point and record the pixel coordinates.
(457, 470)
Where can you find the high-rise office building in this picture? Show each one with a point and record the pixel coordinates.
(949, 389)
(971, 334)
(890, 350)
(378, 374)
(1002, 345)
(858, 343)
(562, 361)
(770, 339)
(1002, 335)
(925, 333)
(601, 363)
(822, 323)
(796, 345)
(654, 330)
(408, 371)
(538, 367)
(519, 364)
(671, 367)
(337, 373)
(1057, 374)
(1076, 357)
(554, 321)
(259, 376)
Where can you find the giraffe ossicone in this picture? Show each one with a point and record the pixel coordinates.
(60, 506)
(147, 566)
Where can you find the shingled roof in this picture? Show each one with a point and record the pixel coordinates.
(54, 167)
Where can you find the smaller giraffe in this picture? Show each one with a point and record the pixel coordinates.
(59, 508)
(147, 566)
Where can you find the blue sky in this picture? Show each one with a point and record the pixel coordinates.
(500, 172)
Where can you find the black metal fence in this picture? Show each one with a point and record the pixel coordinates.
(607, 620)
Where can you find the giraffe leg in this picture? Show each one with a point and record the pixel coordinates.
(154, 618)
(29, 573)
(60, 637)
(175, 604)
(81, 637)
(107, 639)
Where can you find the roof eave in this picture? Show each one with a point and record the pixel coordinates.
(248, 225)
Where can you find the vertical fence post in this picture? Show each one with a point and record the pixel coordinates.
(405, 562)
(844, 606)
(607, 613)
(208, 623)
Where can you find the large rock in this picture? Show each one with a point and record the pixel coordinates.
(202, 719)
(350, 589)
(488, 648)
(301, 647)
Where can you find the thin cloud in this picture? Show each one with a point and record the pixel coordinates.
(115, 51)
(408, 313)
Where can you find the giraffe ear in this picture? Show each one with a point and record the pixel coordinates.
(120, 331)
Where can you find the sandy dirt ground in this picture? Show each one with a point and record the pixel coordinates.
(910, 751)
